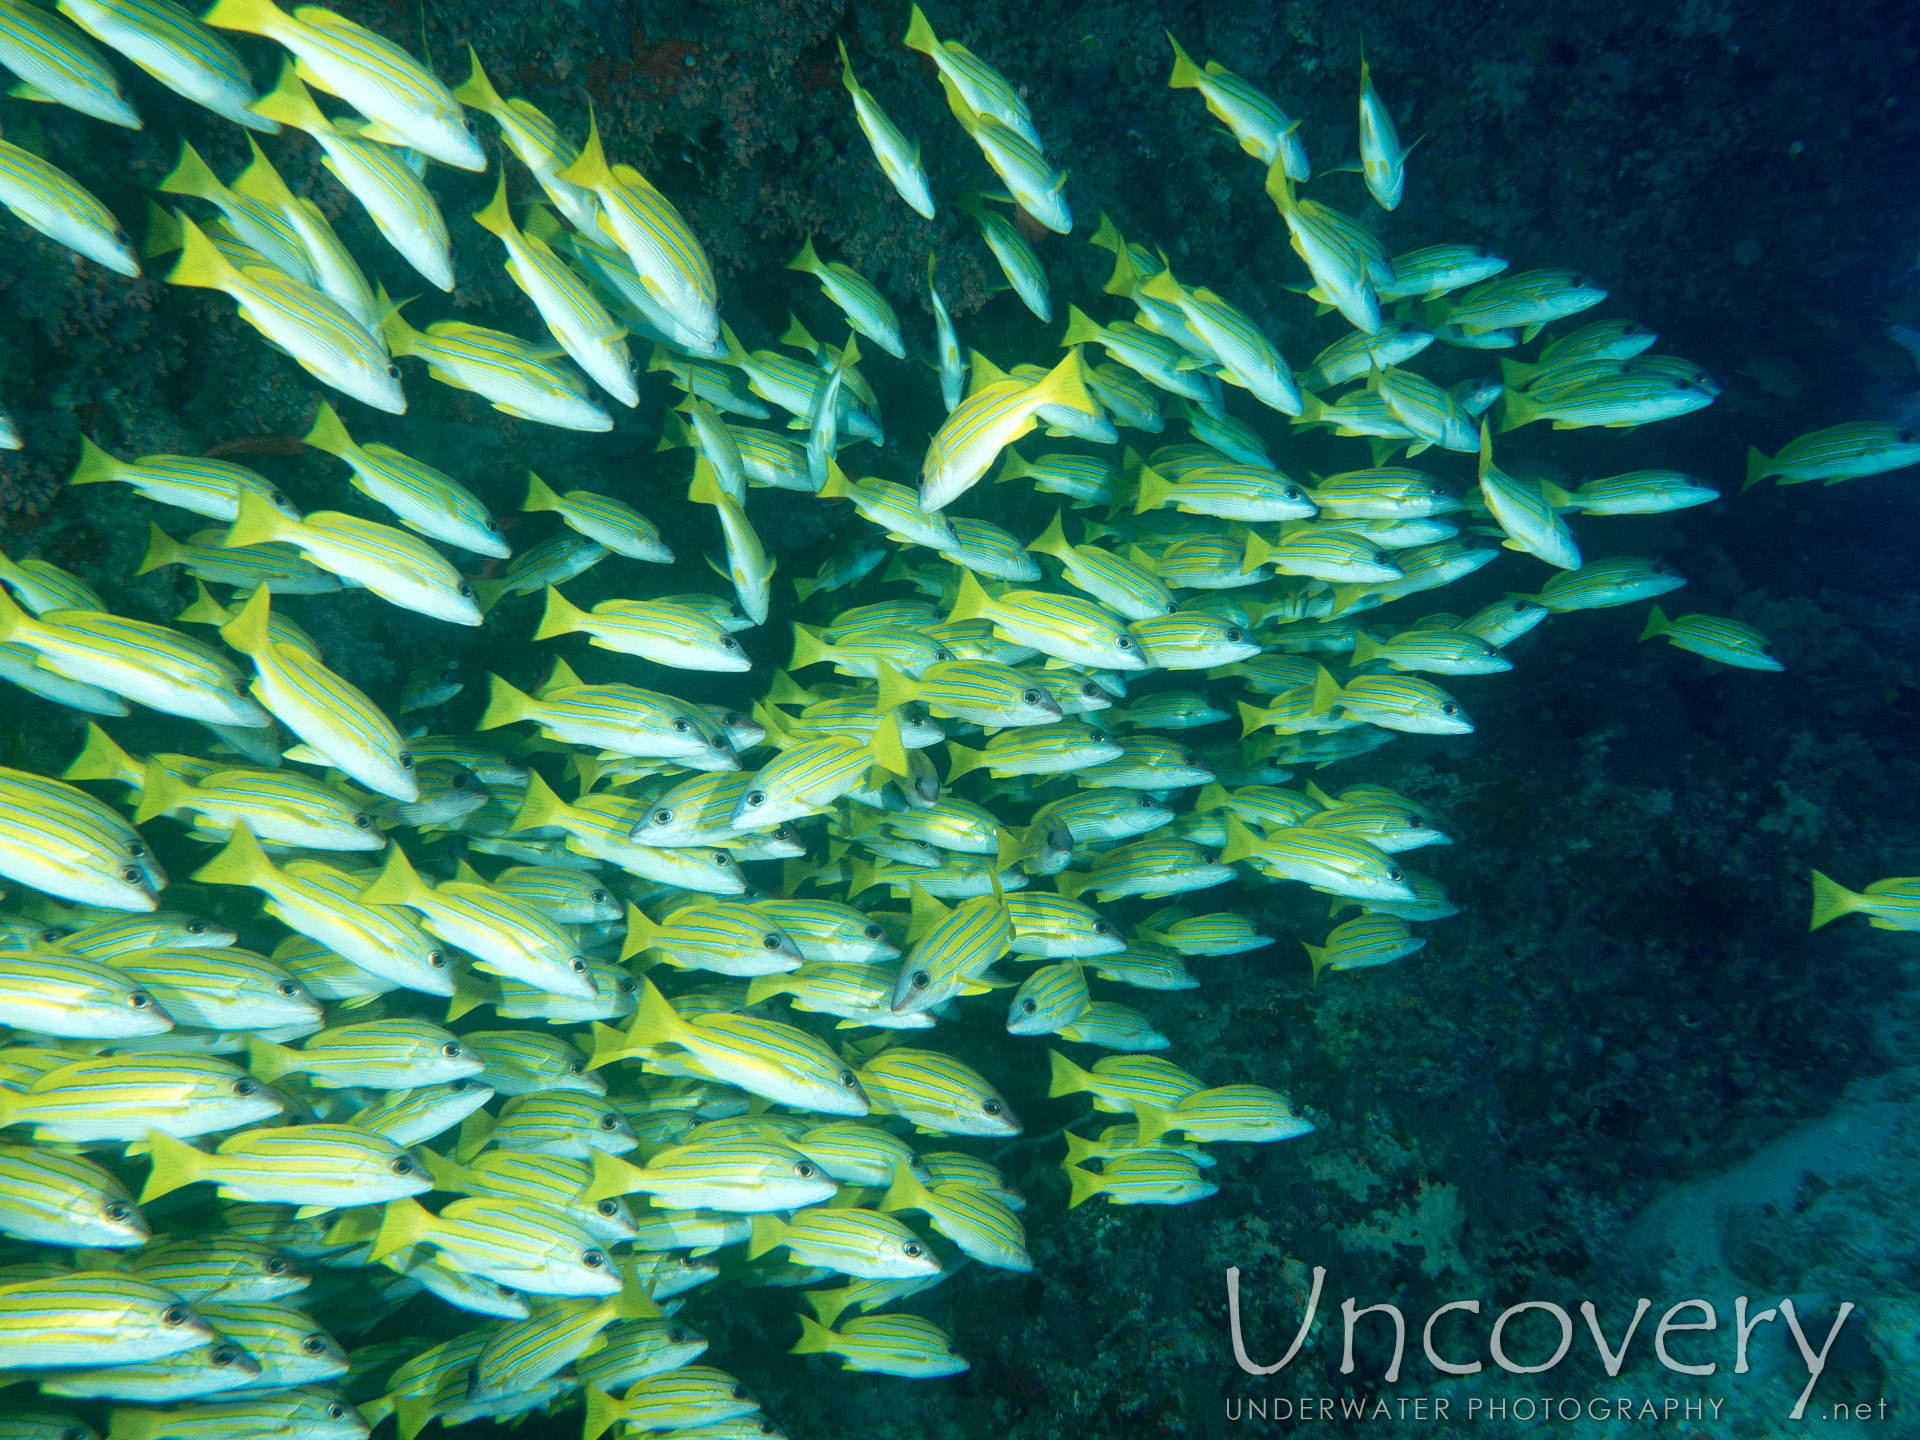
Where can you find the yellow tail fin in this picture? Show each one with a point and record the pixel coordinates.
(1186, 74)
(494, 217)
(477, 90)
(241, 862)
(176, 1165)
(1155, 491)
(162, 550)
(505, 705)
(815, 1338)
(96, 465)
(541, 807)
(200, 264)
(289, 101)
(1830, 900)
(561, 617)
(1657, 624)
(540, 495)
(1084, 1184)
(160, 789)
(1053, 540)
(328, 433)
(1064, 1077)
(247, 631)
(920, 34)
(255, 522)
(396, 884)
(404, 1223)
(101, 759)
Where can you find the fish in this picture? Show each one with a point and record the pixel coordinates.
(1840, 452)
(998, 410)
(1340, 270)
(425, 500)
(983, 87)
(1887, 904)
(55, 64)
(1524, 511)
(575, 318)
(324, 340)
(517, 378)
(898, 157)
(866, 309)
(1025, 274)
(668, 257)
(884, 1344)
(763, 1057)
(1257, 123)
(123, 1097)
(1151, 1178)
(662, 631)
(1383, 160)
(1637, 492)
(406, 103)
(1617, 580)
(1727, 641)
(46, 198)
(1247, 357)
(321, 903)
(748, 565)
(250, 219)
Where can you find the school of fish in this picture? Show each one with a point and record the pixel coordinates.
(225, 1164)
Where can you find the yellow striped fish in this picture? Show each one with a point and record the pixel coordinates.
(55, 64)
(51, 201)
(164, 40)
(407, 105)
(423, 499)
(515, 377)
(898, 157)
(396, 200)
(574, 317)
(663, 248)
(323, 339)
(535, 141)
(391, 563)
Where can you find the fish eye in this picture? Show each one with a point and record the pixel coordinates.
(722, 859)
(275, 1265)
(137, 850)
(451, 1050)
(756, 798)
(139, 999)
(676, 1336)
(607, 1209)
(1030, 1005)
(1380, 557)
(1450, 708)
(609, 1122)
(594, 1259)
(1029, 697)
(1101, 927)
(991, 1106)
(681, 727)
(116, 1211)
(471, 128)
(1394, 875)
(393, 371)
(846, 1078)
(1234, 637)
(740, 1392)
(195, 927)
(436, 959)
(336, 1411)
(921, 980)
(363, 821)
(245, 1088)
(727, 643)
(940, 652)
(577, 1067)
(628, 985)
(772, 942)
(175, 1315)
(464, 590)
(225, 1356)
(406, 760)
(600, 897)
(577, 965)
(913, 1250)
(804, 1170)
(663, 817)
(873, 932)
(460, 1087)
(1126, 642)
